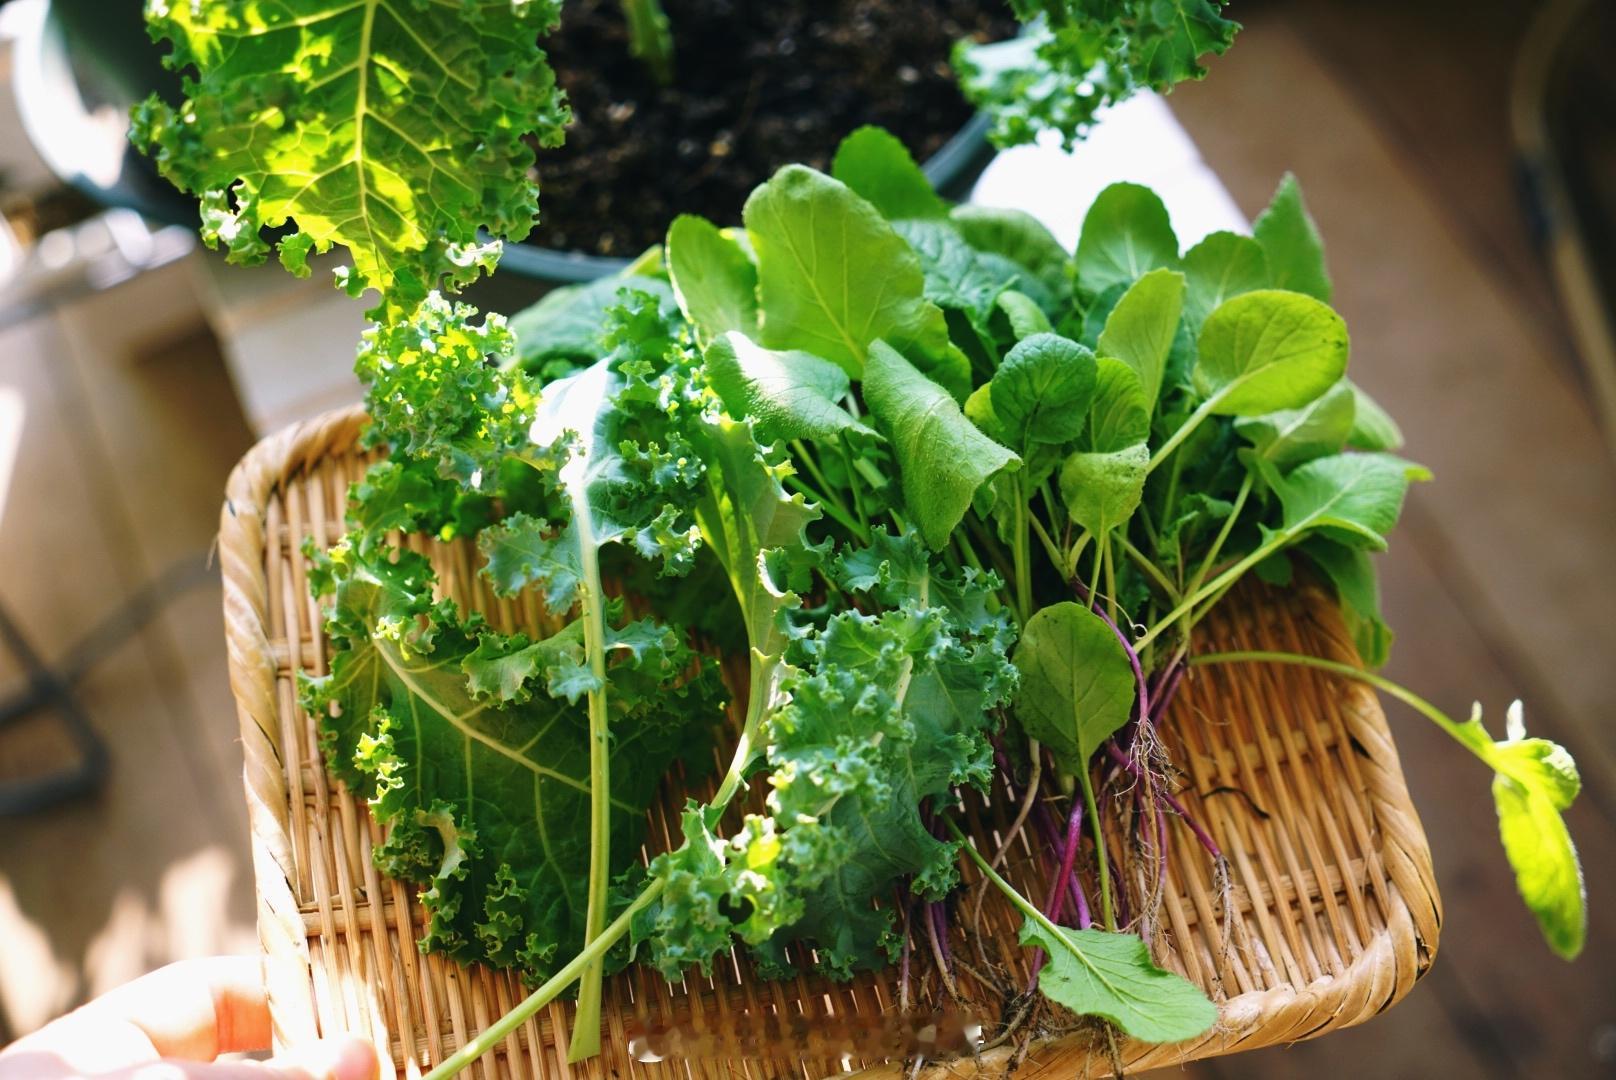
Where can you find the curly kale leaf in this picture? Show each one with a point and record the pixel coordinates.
(390, 128)
(610, 456)
(1077, 56)
(437, 392)
(476, 759)
(886, 712)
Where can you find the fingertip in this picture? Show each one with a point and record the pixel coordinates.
(345, 1057)
(355, 1059)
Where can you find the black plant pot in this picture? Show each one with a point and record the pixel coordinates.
(75, 73)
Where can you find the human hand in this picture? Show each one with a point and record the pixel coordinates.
(170, 1025)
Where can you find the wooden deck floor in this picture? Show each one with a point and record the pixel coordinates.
(1500, 581)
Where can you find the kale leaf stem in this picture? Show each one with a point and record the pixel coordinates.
(592, 953)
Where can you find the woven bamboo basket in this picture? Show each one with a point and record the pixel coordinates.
(1332, 917)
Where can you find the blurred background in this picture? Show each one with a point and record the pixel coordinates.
(1460, 158)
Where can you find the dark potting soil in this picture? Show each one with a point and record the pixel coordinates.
(757, 84)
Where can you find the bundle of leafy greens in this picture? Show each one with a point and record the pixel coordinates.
(971, 496)
(966, 496)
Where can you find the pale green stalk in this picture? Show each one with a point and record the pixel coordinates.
(1222, 581)
(1348, 671)
(1223, 535)
(1143, 562)
(1185, 431)
(1104, 860)
(592, 954)
(592, 599)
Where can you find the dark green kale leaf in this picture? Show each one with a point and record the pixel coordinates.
(885, 714)
(474, 754)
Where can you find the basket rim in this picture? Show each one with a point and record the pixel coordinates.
(1384, 972)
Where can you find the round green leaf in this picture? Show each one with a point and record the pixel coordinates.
(1102, 490)
(1077, 687)
(1269, 350)
(1042, 390)
(1219, 268)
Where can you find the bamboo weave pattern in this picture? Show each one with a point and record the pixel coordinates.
(1334, 906)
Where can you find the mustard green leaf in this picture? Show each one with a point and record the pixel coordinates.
(979, 411)
(1077, 687)
(756, 528)
(713, 278)
(1111, 975)
(1354, 498)
(1140, 329)
(788, 395)
(1026, 317)
(875, 164)
(833, 276)
(958, 278)
(1535, 781)
(1544, 859)
(1120, 415)
(1291, 436)
(1352, 572)
(1022, 239)
(1101, 490)
(1126, 234)
(1372, 426)
(942, 458)
(1043, 389)
(1219, 268)
(1292, 244)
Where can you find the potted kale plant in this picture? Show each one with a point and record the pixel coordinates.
(686, 106)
